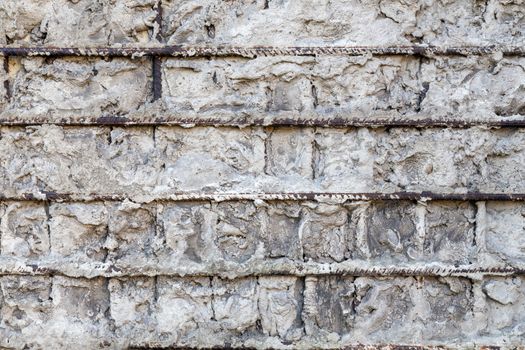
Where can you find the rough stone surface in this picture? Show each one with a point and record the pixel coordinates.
(377, 22)
(77, 23)
(175, 233)
(148, 162)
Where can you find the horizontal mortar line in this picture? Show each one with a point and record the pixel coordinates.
(345, 347)
(254, 51)
(255, 269)
(245, 122)
(292, 196)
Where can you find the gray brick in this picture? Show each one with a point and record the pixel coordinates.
(328, 87)
(279, 306)
(345, 159)
(435, 160)
(327, 233)
(449, 306)
(183, 306)
(390, 232)
(76, 159)
(235, 305)
(77, 23)
(329, 303)
(289, 153)
(79, 231)
(26, 304)
(236, 230)
(79, 312)
(132, 226)
(281, 226)
(449, 235)
(505, 307)
(505, 228)
(24, 231)
(76, 87)
(383, 308)
(235, 156)
(132, 302)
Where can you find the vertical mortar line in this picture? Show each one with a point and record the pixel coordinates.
(48, 223)
(362, 229)
(421, 211)
(7, 85)
(156, 61)
(480, 230)
(309, 304)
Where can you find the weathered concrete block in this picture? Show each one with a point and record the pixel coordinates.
(78, 87)
(328, 233)
(301, 85)
(505, 229)
(236, 230)
(132, 305)
(77, 23)
(448, 307)
(235, 305)
(449, 160)
(285, 23)
(280, 232)
(290, 153)
(183, 306)
(76, 159)
(4, 82)
(279, 306)
(79, 312)
(132, 239)
(345, 159)
(390, 231)
(26, 302)
(186, 228)
(383, 309)
(449, 234)
(339, 85)
(235, 156)
(329, 303)
(472, 86)
(24, 231)
(79, 231)
(505, 307)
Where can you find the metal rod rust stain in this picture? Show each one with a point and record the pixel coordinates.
(335, 122)
(255, 51)
(284, 196)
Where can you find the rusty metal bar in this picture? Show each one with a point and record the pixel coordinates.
(282, 196)
(277, 267)
(335, 122)
(256, 51)
(346, 347)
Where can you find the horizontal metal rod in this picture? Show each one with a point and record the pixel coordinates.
(277, 196)
(255, 51)
(9, 266)
(335, 122)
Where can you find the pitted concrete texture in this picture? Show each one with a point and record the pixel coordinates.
(203, 234)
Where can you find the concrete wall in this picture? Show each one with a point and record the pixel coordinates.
(182, 229)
